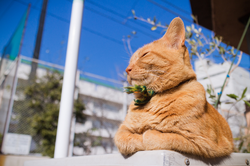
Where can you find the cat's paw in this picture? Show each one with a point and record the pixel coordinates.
(129, 144)
(150, 139)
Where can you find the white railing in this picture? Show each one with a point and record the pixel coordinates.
(145, 158)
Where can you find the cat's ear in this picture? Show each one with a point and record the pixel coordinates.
(175, 35)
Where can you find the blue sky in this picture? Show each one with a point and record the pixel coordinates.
(104, 26)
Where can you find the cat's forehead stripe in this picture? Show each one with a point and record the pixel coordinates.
(135, 56)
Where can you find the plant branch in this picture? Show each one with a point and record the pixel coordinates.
(242, 37)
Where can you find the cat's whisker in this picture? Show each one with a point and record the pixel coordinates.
(158, 70)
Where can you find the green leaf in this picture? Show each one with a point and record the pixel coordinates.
(194, 18)
(208, 90)
(154, 28)
(240, 145)
(191, 42)
(244, 92)
(232, 50)
(211, 43)
(212, 96)
(133, 12)
(247, 103)
(221, 50)
(233, 96)
(216, 39)
(196, 31)
(199, 42)
(237, 139)
(188, 28)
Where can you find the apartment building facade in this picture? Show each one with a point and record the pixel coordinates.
(105, 102)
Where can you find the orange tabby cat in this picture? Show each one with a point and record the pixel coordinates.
(178, 117)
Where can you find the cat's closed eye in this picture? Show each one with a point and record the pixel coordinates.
(145, 54)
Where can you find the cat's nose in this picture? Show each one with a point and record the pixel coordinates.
(128, 70)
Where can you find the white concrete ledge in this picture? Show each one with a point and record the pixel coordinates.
(14, 160)
(144, 158)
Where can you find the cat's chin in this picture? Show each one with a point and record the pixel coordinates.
(144, 82)
(139, 82)
(135, 82)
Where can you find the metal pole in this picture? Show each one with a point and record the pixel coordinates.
(10, 107)
(66, 104)
(39, 36)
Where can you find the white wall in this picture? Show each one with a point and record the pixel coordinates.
(239, 80)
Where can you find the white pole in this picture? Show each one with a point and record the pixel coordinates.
(66, 104)
(72, 136)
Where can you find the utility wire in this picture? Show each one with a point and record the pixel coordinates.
(84, 28)
(118, 14)
(102, 35)
(89, 30)
(170, 11)
(104, 8)
(117, 21)
(176, 7)
(26, 4)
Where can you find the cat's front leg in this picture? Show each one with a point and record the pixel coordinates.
(152, 140)
(127, 142)
(155, 140)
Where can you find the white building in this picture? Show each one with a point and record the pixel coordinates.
(105, 110)
(209, 73)
(106, 105)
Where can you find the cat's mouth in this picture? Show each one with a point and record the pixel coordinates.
(133, 81)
